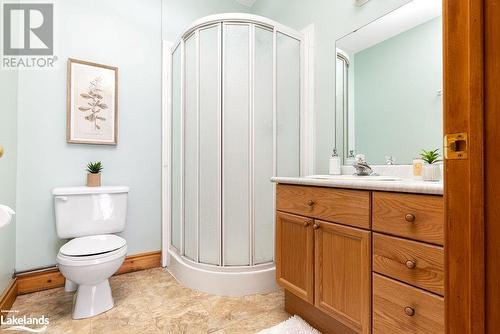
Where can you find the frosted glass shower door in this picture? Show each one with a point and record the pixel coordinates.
(235, 124)
(248, 144)
(236, 144)
(263, 153)
(191, 141)
(210, 148)
(202, 149)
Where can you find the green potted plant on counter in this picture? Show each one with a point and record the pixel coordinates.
(94, 174)
(431, 171)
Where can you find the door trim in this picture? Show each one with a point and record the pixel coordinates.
(464, 179)
(492, 156)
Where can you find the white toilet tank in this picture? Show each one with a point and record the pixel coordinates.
(83, 211)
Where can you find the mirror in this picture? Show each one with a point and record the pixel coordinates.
(389, 86)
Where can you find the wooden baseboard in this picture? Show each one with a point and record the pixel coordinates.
(8, 297)
(52, 278)
(39, 280)
(140, 262)
(317, 319)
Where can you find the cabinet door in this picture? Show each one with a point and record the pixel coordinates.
(295, 255)
(343, 271)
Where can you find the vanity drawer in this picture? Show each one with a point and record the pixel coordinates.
(401, 309)
(419, 217)
(413, 262)
(349, 207)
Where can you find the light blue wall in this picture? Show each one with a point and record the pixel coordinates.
(179, 14)
(126, 34)
(8, 166)
(397, 109)
(333, 19)
(8, 139)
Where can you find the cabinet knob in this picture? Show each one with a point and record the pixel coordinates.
(306, 223)
(1, 151)
(315, 226)
(410, 218)
(410, 264)
(410, 311)
(310, 202)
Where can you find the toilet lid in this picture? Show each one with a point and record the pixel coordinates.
(92, 245)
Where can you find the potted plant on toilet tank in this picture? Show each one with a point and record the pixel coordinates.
(431, 170)
(94, 174)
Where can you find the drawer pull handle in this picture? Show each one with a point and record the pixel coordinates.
(410, 264)
(310, 202)
(410, 311)
(306, 224)
(410, 218)
(316, 226)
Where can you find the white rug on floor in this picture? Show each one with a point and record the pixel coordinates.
(294, 325)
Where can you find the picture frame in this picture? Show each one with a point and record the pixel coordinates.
(92, 103)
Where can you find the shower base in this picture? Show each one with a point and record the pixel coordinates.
(223, 281)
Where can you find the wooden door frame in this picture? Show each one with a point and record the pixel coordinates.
(465, 197)
(491, 159)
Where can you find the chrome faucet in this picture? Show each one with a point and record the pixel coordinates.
(361, 167)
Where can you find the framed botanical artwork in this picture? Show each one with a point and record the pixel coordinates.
(92, 103)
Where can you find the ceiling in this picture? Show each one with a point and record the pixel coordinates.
(402, 19)
(248, 3)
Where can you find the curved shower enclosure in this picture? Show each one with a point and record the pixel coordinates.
(235, 123)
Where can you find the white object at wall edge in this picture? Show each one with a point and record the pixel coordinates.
(6, 214)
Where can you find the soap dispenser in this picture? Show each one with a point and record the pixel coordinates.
(334, 164)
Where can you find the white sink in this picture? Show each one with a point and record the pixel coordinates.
(354, 178)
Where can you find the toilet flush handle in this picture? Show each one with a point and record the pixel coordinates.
(62, 198)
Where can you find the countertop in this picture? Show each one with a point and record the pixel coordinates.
(403, 185)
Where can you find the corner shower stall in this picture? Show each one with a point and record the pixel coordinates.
(235, 117)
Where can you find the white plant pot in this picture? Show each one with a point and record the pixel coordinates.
(431, 172)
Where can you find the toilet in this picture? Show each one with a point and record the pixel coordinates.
(90, 216)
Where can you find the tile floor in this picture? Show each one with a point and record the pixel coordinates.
(151, 301)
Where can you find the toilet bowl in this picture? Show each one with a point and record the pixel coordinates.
(88, 263)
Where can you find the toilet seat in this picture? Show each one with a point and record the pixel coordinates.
(92, 250)
(77, 261)
(92, 245)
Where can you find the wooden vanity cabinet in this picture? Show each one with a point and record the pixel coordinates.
(399, 308)
(326, 264)
(415, 263)
(417, 217)
(408, 264)
(343, 274)
(343, 278)
(295, 255)
(342, 206)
